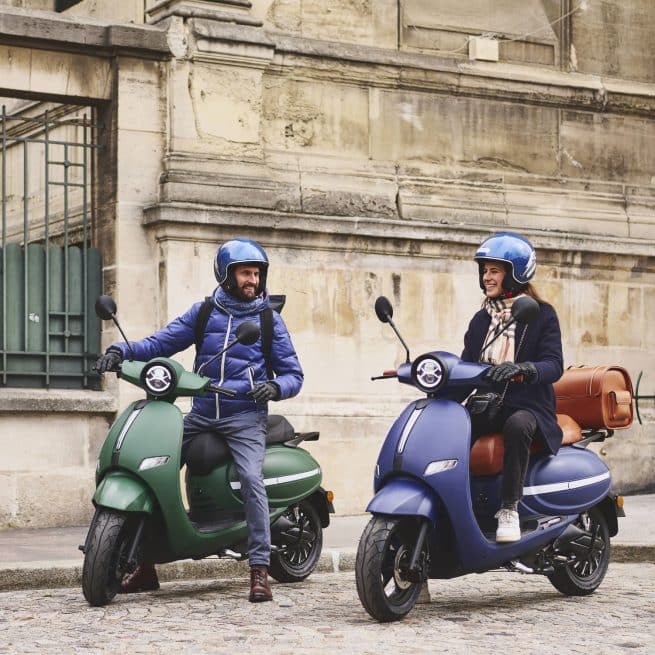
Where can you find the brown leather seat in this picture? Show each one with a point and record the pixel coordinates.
(488, 451)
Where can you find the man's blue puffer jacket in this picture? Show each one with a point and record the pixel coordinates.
(231, 369)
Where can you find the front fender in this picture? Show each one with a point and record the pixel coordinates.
(404, 497)
(123, 492)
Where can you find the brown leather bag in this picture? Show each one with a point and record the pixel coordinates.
(596, 397)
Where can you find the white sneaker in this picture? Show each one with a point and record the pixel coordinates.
(509, 528)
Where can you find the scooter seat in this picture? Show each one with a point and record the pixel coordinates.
(208, 450)
(489, 449)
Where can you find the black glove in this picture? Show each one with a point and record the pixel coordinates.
(508, 370)
(109, 361)
(264, 391)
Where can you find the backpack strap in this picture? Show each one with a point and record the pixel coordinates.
(266, 323)
(201, 322)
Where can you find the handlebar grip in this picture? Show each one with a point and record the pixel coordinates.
(217, 388)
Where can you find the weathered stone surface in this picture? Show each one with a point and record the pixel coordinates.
(28, 70)
(19, 25)
(467, 615)
(58, 497)
(613, 39)
(361, 147)
(352, 21)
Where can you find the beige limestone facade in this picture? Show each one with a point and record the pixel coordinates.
(369, 146)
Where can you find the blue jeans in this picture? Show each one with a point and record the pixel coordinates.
(245, 435)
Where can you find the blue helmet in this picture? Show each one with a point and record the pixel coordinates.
(239, 251)
(516, 251)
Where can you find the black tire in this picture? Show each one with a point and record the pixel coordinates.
(105, 559)
(302, 544)
(584, 575)
(383, 553)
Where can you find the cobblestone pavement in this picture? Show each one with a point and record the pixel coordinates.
(495, 612)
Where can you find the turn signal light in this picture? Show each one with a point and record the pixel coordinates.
(329, 495)
(619, 502)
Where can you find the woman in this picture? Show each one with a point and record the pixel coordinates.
(526, 361)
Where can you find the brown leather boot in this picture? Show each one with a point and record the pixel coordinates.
(143, 578)
(260, 590)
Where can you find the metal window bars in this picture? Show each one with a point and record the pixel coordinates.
(49, 272)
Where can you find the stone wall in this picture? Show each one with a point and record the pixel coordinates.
(363, 148)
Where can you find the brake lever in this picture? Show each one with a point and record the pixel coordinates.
(386, 375)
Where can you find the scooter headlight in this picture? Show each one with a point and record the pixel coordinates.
(429, 373)
(158, 379)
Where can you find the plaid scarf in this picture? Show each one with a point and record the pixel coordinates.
(502, 349)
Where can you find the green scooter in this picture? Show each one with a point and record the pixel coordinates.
(140, 514)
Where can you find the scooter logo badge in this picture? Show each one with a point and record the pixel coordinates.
(158, 379)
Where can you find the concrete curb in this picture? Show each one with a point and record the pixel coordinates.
(67, 573)
(49, 575)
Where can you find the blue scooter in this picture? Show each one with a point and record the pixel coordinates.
(435, 497)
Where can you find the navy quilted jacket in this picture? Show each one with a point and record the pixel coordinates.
(542, 346)
(231, 369)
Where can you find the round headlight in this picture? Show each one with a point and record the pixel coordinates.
(158, 379)
(428, 373)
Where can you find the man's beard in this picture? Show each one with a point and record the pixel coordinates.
(250, 295)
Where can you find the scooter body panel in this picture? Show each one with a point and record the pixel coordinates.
(571, 482)
(435, 435)
(403, 496)
(427, 431)
(153, 429)
(290, 474)
(122, 492)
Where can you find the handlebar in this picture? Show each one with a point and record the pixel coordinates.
(217, 388)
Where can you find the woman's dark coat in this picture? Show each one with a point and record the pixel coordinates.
(543, 347)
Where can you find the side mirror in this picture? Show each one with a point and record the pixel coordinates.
(383, 309)
(525, 309)
(247, 333)
(105, 308)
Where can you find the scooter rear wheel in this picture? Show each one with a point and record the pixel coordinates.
(384, 586)
(583, 576)
(301, 550)
(105, 558)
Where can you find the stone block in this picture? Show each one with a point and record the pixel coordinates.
(371, 23)
(61, 497)
(590, 314)
(139, 166)
(479, 134)
(36, 442)
(598, 31)
(141, 95)
(625, 327)
(81, 76)
(562, 209)
(453, 201)
(8, 501)
(226, 103)
(607, 147)
(315, 117)
(345, 195)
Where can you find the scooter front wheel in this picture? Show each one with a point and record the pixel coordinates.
(386, 588)
(105, 557)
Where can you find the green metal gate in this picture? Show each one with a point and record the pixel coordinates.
(49, 273)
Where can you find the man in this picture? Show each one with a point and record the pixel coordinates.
(240, 267)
